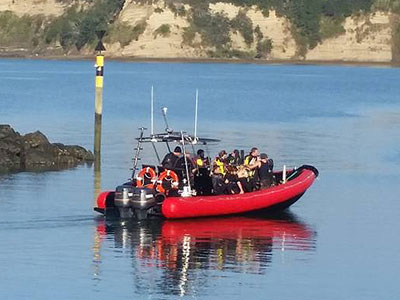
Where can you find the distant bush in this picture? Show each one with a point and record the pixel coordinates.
(22, 31)
(78, 27)
(120, 32)
(396, 39)
(331, 27)
(188, 35)
(213, 28)
(258, 33)
(244, 25)
(264, 48)
(139, 29)
(164, 30)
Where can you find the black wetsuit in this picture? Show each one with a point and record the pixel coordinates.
(169, 160)
(265, 174)
(220, 186)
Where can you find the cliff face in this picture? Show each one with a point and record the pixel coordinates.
(161, 30)
(33, 7)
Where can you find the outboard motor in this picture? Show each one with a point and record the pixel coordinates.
(142, 199)
(123, 194)
(134, 201)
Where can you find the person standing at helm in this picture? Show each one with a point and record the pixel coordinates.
(171, 158)
(200, 161)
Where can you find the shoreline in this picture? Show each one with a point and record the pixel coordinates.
(203, 60)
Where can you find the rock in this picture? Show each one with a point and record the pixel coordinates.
(33, 151)
(7, 131)
(35, 139)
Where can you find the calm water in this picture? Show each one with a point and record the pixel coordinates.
(340, 240)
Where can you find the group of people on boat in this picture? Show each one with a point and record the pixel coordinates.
(231, 174)
(226, 174)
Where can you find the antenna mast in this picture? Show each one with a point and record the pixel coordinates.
(152, 110)
(195, 116)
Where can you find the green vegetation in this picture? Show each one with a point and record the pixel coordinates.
(396, 39)
(139, 29)
(244, 25)
(264, 48)
(78, 27)
(331, 27)
(213, 28)
(121, 32)
(164, 30)
(22, 31)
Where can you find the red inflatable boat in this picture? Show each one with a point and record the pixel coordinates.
(175, 193)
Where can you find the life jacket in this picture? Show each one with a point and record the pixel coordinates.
(199, 162)
(233, 161)
(221, 166)
(249, 160)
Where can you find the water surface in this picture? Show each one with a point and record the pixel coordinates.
(339, 240)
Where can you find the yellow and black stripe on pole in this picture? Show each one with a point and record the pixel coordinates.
(98, 104)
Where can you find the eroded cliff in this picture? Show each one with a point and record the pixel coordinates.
(178, 29)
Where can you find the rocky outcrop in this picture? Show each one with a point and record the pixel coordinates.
(33, 151)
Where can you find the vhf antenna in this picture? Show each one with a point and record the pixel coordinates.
(164, 111)
(195, 117)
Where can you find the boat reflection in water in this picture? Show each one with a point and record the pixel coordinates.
(185, 249)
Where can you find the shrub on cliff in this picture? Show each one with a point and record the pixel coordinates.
(213, 28)
(244, 25)
(78, 26)
(264, 48)
(120, 32)
(22, 31)
(164, 30)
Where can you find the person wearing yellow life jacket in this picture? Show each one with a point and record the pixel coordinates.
(202, 179)
(220, 161)
(251, 163)
(200, 161)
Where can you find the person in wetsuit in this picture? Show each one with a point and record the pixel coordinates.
(202, 179)
(200, 161)
(171, 158)
(265, 171)
(234, 158)
(221, 184)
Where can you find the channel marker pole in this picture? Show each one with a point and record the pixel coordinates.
(98, 110)
(99, 97)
